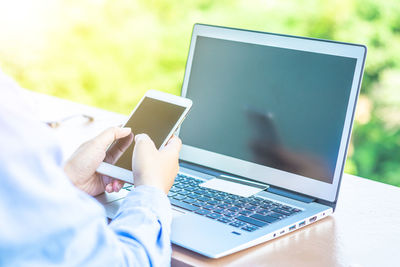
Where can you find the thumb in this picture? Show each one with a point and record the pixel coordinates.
(143, 140)
(110, 135)
(173, 146)
(143, 146)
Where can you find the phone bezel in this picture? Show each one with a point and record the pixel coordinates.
(126, 175)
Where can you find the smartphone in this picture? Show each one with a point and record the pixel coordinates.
(158, 115)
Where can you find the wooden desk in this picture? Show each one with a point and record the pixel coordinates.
(364, 230)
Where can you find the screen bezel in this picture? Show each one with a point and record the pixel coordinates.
(261, 173)
(126, 175)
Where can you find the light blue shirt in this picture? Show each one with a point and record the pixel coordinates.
(46, 221)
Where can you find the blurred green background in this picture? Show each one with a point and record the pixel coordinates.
(108, 53)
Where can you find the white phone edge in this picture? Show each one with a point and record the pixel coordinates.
(126, 175)
(115, 172)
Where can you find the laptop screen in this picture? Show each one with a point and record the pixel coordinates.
(276, 107)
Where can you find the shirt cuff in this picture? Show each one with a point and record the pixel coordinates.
(152, 198)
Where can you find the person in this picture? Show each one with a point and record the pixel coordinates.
(48, 215)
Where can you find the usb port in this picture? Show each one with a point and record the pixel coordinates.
(302, 223)
(313, 219)
(282, 232)
(291, 228)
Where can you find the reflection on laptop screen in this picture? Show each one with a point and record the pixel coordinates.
(273, 106)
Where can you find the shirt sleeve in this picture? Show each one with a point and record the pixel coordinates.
(46, 221)
(147, 208)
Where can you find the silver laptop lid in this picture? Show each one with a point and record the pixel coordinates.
(273, 108)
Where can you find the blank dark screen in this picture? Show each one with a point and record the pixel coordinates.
(272, 106)
(153, 117)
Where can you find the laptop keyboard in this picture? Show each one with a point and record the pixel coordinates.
(249, 213)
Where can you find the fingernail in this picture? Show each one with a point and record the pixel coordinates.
(126, 129)
(141, 136)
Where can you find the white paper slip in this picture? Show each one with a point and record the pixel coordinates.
(234, 186)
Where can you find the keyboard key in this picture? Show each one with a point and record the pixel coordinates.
(189, 200)
(199, 203)
(219, 210)
(224, 219)
(183, 205)
(250, 228)
(209, 207)
(213, 202)
(265, 218)
(237, 224)
(239, 204)
(276, 215)
(282, 211)
(171, 194)
(262, 211)
(210, 195)
(224, 206)
(214, 215)
(266, 206)
(202, 212)
(246, 212)
(205, 199)
(179, 197)
(190, 188)
(174, 189)
(234, 209)
(229, 201)
(229, 213)
(250, 207)
(184, 192)
(251, 221)
(193, 195)
(200, 191)
(255, 203)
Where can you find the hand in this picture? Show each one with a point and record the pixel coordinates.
(81, 167)
(155, 167)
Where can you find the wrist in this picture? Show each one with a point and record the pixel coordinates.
(153, 184)
(68, 169)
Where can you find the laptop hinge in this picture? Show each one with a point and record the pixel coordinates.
(292, 195)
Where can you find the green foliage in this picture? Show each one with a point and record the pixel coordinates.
(108, 53)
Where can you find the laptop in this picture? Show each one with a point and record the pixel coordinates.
(265, 143)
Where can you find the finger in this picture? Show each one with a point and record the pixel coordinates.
(117, 185)
(109, 188)
(144, 140)
(174, 145)
(110, 135)
(118, 148)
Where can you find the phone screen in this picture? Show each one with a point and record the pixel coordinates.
(153, 117)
